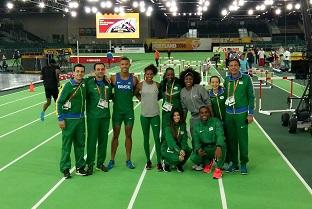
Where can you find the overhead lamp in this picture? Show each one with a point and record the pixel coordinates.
(94, 10)
(278, 11)
(41, 5)
(268, 2)
(73, 13)
(241, 2)
(190, 14)
(149, 9)
(87, 10)
(205, 8)
(184, 14)
(142, 4)
(148, 14)
(297, 6)
(207, 3)
(135, 4)
(224, 12)
(66, 10)
(109, 4)
(258, 8)
(250, 12)
(116, 9)
(10, 5)
(73, 4)
(262, 7)
(289, 6)
(142, 9)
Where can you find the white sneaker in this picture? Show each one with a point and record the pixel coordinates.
(197, 167)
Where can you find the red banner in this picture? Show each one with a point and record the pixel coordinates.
(92, 59)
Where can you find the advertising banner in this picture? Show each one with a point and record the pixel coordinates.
(118, 26)
(179, 44)
(224, 48)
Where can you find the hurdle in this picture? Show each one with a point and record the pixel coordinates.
(263, 74)
(269, 112)
(162, 67)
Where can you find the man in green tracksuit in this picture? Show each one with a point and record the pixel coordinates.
(209, 142)
(70, 110)
(99, 92)
(239, 103)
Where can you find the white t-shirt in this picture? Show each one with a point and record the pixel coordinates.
(261, 54)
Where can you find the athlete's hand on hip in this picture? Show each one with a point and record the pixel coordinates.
(62, 124)
(250, 118)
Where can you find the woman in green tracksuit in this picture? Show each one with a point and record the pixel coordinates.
(209, 145)
(175, 149)
(148, 93)
(99, 92)
(217, 96)
(239, 103)
(70, 111)
(170, 91)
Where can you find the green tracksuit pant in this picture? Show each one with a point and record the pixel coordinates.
(97, 133)
(154, 122)
(237, 137)
(73, 133)
(165, 121)
(172, 157)
(210, 156)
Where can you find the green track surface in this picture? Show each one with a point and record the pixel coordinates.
(270, 184)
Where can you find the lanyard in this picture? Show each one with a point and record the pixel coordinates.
(178, 134)
(75, 92)
(235, 86)
(171, 91)
(216, 95)
(99, 91)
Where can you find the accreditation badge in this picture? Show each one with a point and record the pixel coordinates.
(230, 101)
(102, 104)
(67, 105)
(167, 107)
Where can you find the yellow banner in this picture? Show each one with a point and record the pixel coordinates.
(118, 26)
(175, 44)
(68, 51)
(245, 40)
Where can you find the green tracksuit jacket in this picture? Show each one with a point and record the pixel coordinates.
(74, 131)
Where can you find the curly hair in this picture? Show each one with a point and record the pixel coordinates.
(151, 67)
(190, 72)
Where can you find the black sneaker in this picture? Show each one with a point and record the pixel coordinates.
(81, 171)
(160, 167)
(148, 165)
(67, 174)
(180, 169)
(90, 170)
(101, 168)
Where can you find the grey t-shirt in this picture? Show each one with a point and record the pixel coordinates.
(149, 100)
(193, 99)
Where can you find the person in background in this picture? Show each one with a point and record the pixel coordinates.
(70, 111)
(169, 53)
(156, 56)
(110, 58)
(209, 145)
(99, 92)
(243, 64)
(261, 55)
(124, 84)
(286, 57)
(50, 77)
(239, 104)
(175, 149)
(250, 58)
(148, 93)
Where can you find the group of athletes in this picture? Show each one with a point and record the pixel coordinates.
(218, 123)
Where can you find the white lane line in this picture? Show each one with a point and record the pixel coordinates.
(222, 194)
(63, 179)
(26, 108)
(30, 151)
(21, 99)
(23, 126)
(138, 186)
(284, 158)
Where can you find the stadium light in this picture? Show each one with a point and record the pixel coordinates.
(289, 6)
(73, 13)
(135, 4)
(41, 5)
(224, 12)
(87, 10)
(297, 6)
(94, 10)
(268, 2)
(278, 11)
(10, 5)
(250, 12)
(109, 4)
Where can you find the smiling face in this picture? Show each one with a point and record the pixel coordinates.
(176, 117)
(188, 80)
(99, 71)
(234, 68)
(214, 82)
(149, 75)
(124, 66)
(169, 75)
(204, 113)
(79, 73)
